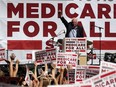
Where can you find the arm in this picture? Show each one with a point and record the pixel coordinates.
(16, 68)
(35, 69)
(46, 69)
(7, 61)
(41, 82)
(61, 75)
(53, 74)
(55, 80)
(11, 68)
(64, 21)
(53, 70)
(34, 80)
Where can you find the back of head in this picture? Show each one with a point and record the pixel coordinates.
(45, 82)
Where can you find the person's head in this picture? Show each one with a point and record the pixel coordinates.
(75, 21)
(45, 82)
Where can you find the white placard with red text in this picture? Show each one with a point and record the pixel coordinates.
(77, 45)
(64, 59)
(46, 56)
(107, 79)
(86, 71)
(106, 66)
(80, 75)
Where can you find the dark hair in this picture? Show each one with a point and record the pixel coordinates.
(43, 68)
(45, 83)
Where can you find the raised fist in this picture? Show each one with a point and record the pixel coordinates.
(12, 56)
(59, 13)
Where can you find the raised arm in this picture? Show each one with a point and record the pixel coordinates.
(16, 68)
(12, 57)
(46, 68)
(35, 70)
(64, 21)
(53, 74)
(11, 68)
(61, 75)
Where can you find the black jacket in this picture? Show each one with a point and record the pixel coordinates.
(70, 26)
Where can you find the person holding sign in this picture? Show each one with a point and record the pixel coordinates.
(73, 29)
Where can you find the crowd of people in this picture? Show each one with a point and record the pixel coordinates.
(41, 75)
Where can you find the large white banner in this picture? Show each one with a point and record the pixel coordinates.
(29, 24)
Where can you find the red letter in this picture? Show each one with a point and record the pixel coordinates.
(36, 28)
(87, 11)
(11, 8)
(105, 12)
(92, 30)
(44, 10)
(114, 10)
(107, 30)
(49, 44)
(31, 8)
(11, 28)
(49, 27)
(67, 10)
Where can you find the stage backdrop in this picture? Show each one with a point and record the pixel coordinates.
(27, 25)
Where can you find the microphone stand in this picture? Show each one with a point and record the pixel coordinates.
(59, 41)
(99, 42)
(60, 33)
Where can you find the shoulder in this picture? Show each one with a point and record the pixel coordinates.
(79, 26)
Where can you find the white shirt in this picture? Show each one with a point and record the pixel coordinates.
(73, 33)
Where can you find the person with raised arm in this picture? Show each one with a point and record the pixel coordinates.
(13, 70)
(72, 28)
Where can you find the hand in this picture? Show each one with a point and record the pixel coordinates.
(59, 14)
(53, 66)
(35, 63)
(12, 57)
(17, 61)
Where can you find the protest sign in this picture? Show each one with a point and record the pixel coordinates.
(107, 66)
(78, 45)
(46, 56)
(64, 59)
(107, 79)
